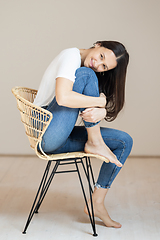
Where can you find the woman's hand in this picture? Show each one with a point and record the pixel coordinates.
(93, 114)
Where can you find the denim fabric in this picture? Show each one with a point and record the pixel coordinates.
(63, 136)
(118, 141)
(120, 144)
(64, 118)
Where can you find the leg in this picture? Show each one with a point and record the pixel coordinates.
(65, 118)
(100, 211)
(95, 143)
(120, 143)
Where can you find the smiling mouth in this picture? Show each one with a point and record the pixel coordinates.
(91, 64)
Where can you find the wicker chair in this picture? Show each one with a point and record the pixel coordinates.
(36, 120)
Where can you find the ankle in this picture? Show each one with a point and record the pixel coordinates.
(94, 141)
(99, 195)
(97, 201)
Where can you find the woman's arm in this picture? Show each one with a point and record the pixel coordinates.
(68, 98)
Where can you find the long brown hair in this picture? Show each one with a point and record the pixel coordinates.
(112, 82)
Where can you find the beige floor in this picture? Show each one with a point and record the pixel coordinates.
(133, 200)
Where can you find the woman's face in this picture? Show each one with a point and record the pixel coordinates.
(100, 59)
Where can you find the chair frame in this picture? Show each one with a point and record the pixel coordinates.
(36, 121)
(47, 179)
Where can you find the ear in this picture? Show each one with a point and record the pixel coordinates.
(97, 45)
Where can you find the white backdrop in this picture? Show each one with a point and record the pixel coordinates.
(33, 32)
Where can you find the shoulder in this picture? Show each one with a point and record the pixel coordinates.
(68, 62)
(70, 52)
(69, 58)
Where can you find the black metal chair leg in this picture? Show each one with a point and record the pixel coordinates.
(91, 171)
(40, 187)
(46, 186)
(91, 220)
(86, 173)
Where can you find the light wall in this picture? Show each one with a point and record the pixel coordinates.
(33, 32)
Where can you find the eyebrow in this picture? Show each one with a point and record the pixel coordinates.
(104, 58)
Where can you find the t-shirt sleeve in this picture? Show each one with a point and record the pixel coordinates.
(69, 61)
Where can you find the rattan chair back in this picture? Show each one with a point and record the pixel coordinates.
(35, 119)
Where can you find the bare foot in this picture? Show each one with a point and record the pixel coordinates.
(101, 148)
(101, 212)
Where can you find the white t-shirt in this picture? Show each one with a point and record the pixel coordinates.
(64, 65)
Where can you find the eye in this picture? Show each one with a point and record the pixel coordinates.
(101, 56)
(104, 66)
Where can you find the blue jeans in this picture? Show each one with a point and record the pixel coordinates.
(63, 136)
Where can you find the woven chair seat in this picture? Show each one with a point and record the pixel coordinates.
(69, 155)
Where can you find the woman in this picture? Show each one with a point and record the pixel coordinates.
(91, 81)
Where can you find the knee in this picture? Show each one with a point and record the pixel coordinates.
(86, 82)
(86, 72)
(127, 140)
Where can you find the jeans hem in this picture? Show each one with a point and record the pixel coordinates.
(91, 124)
(97, 185)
